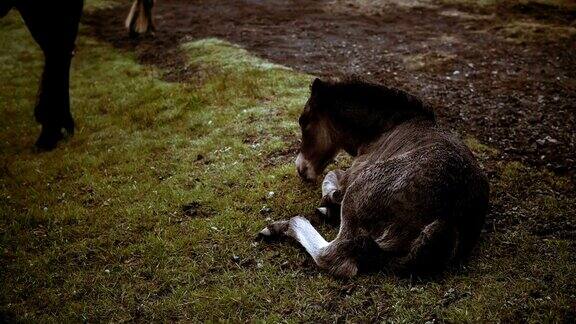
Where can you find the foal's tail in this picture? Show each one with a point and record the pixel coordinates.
(140, 20)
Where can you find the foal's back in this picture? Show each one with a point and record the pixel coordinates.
(419, 193)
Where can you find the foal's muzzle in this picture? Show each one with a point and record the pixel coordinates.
(305, 169)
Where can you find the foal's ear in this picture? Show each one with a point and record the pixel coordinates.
(317, 86)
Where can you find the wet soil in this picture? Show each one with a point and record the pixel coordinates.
(514, 90)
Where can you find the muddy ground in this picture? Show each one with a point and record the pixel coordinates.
(505, 75)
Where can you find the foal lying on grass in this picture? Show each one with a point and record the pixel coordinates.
(414, 198)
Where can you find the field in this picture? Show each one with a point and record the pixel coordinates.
(185, 145)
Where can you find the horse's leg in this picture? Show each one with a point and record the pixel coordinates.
(339, 257)
(54, 27)
(332, 194)
(53, 106)
(140, 19)
(149, 9)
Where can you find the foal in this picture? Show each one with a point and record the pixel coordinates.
(413, 199)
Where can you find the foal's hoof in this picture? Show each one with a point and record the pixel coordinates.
(323, 211)
(274, 230)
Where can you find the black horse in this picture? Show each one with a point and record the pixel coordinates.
(54, 26)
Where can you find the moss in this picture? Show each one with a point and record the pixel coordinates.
(527, 31)
(481, 150)
(90, 5)
(564, 4)
(213, 52)
(428, 61)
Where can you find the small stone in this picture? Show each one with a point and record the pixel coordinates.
(270, 194)
(456, 72)
(551, 140)
(107, 271)
(265, 210)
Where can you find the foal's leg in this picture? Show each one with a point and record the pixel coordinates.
(332, 194)
(331, 188)
(338, 256)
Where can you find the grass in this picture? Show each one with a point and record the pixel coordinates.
(561, 4)
(523, 32)
(94, 231)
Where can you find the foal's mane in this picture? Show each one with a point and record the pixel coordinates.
(364, 94)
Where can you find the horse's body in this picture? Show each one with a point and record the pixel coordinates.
(54, 26)
(413, 199)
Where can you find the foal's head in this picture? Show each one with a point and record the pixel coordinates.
(345, 115)
(319, 141)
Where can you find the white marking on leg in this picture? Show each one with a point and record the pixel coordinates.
(330, 184)
(306, 234)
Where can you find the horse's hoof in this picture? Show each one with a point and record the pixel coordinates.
(133, 34)
(69, 128)
(49, 138)
(265, 232)
(322, 211)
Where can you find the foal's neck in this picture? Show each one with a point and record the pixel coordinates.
(402, 135)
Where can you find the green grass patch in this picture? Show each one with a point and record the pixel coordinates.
(527, 31)
(562, 4)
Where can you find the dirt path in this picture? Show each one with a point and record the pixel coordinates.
(508, 79)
